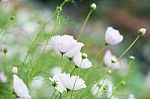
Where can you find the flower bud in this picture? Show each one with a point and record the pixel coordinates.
(109, 71)
(131, 57)
(142, 31)
(123, 83)
(105, 88)
(113, 60)
(14, 70)
(93, 6)
(59, 9)
(5, 50)
(84, 55)
(12, 18)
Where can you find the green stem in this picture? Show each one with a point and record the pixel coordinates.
(124, 77)
(129, 46)
(49, 36)
(55, 24)
(60, 96)
(74, 84)
(100, 51)
(85, 22)
(53, 94)
(5, 63)
(72, 70)
(34, 41)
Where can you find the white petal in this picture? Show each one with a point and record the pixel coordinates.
(20, 88)
(82, 63)
(72, 82)
(59, 86)
(76, 49)
(113, 36)
(108, 60)
(131, 96)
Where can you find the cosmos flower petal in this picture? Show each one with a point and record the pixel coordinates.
(112, 36)
(20, 88)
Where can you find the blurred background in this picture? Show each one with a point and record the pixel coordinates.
(125, 15)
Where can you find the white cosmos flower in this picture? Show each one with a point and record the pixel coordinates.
(131, 96)
(112, 36)
(108, 60)
(103, 87)
(3, 77)
(81, 62)
(57, 83)
(56, 70)
(72, 82)
(66, 45)
(20, 88)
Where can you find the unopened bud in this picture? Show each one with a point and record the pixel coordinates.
(14, 70)
(142, 31)
(109, 71)
(84, 55)
(131, 57)
(5, 50)
(93, 6)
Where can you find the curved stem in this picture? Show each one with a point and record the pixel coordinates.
(85, 22)
(118, 85)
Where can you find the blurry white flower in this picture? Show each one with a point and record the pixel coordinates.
(147, 80)
(56, 82)
(31, 27)
(20, 88)
(22, 16)
(114, 97)
(14, 70)
(66, 45)
(102, 87)
(131, 96)
(3, 77)
(112, 36)
(82, 62)
(36, 85)
(72, 82)
(37, 82)
(56, 70)
(110, 60)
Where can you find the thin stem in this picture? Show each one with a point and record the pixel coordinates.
(100, 51)
(124, 77)
(56, 22)
(67, 94)
(60, 96)
(75, 83)
(5, 62)
(53, 94)
(72, 70)
(50, 36)
(130, 46)
(85, 22)
(34, 41)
